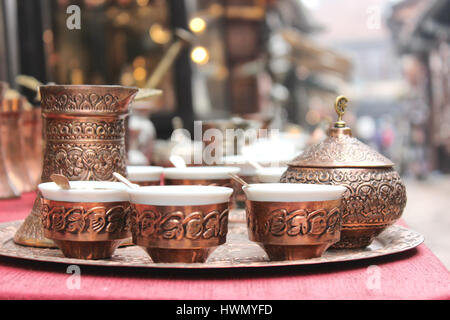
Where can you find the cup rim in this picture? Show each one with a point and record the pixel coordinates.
(87, 86)
(180, 195)
(109, 192)
(293, 192)
(200, 172)
(144, 173)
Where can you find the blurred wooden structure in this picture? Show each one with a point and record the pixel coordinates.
(421, 31)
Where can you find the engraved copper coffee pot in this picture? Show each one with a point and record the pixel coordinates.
(84, 134)
(375, 196)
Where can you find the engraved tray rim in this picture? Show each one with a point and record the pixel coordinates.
(396, 239)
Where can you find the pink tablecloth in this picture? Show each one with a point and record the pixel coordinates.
(415, 274)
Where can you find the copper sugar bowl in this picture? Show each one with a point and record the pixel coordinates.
(375, 196)
(84, 135)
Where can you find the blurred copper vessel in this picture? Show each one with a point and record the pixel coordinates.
(294, 230)
(7, 189)
(86, 230)
(202, 182)
(375, 196)
(84, 136)
(179, 233)
(32, 144)
(11, 136)
(147, 183)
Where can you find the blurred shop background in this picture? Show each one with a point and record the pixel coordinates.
(279, 63)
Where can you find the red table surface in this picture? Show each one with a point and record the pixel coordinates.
(415, 274)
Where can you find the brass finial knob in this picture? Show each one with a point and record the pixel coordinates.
(339, 106)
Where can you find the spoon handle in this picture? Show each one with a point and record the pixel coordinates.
(124, 180)
(238, 179)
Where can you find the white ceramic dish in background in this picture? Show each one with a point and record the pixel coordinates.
(180, 195)
(270, 175)
(246, 169)
(200, 173)
(144, 173)
(292, 192)
(86, 191)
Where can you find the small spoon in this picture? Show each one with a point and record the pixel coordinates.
(124, 180)
(177, 161)
(238, 179)
(61, 181)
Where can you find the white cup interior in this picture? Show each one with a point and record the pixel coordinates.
(85, 191)
(292, 192)
(182, 195)
(206, 172)
(144, 173)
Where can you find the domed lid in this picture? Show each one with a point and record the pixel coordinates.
(340, 149)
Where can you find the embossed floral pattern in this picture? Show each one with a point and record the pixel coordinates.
(64, 102)
(178, 225)
(80, 219)
(59, 129)
(297, 222)
(373, 196)
(342, 150)
(84, 161)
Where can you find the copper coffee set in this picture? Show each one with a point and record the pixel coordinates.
(355, 192)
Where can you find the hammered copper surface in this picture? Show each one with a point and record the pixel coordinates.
(179, 233)
(7, 189)
(86, 230)
(84, 134)
(375, 196)
(294, 230)
(10, 134)
(237, 252)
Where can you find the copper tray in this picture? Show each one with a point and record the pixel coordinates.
(236, 253)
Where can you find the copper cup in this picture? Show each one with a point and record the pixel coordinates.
(145, 175)
(293, 221)
(88, 221)
(179, 224)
